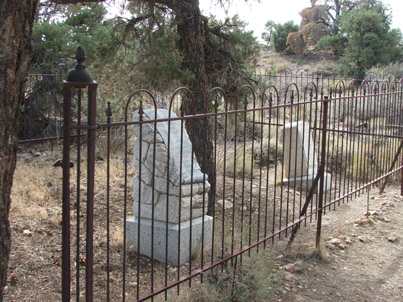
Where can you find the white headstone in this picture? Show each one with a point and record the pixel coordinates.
(300, 162)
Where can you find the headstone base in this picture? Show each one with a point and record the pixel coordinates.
(160, 238)
(304, 183)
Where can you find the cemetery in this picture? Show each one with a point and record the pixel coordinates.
(161, 218)
(194, 163)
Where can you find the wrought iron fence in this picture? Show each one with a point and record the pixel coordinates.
(170, 196)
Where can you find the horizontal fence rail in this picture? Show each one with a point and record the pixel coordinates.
(172, 194)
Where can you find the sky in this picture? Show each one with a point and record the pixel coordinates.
(280, 11)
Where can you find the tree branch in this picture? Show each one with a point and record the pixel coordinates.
(74, 1)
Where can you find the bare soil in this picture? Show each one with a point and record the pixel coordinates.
(360, 258)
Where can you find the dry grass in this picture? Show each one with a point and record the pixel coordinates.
(36, 225)
(36, 217)
(249, 279)
(36, 195)
(311, 63)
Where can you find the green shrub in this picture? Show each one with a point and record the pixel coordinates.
(280, 34)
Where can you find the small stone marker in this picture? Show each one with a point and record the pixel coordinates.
(170, 194)
(300, 162)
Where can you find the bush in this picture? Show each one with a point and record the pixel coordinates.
(335, 44)
(243, 162)
(280, 34)
(249, 281)
(391, 70)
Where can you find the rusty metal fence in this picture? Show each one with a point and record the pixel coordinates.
(141, 213)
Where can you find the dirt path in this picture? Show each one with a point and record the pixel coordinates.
(362, 256)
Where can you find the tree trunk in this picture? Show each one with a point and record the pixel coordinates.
(192, 44)
(16, 22)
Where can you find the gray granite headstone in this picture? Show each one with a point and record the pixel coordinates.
(170, 194)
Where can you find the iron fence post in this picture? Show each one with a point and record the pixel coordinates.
(66, 195)
(322, 171)
(79, 78)
(90, 190)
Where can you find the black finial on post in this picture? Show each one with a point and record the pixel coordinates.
(80, 55)
(80, 74)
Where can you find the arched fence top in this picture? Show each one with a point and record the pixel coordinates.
(340, 87)
(365, 86)
(393, 85)
(138, 92)
(220, 91)
(271, 71)
(353, 87)
(401, 84)
(252, 91)
(385, 85)
(301, 72)
(390, 76)
(292, 97)
(270, 88)
(176, 93)
(286, 72)
(374, 86)
(313, 89)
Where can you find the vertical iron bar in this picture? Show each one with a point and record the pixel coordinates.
(205, 126)
(191, 200)
(78, 200)
(267, 171)
(339, 99)
(330, 153)
(312, 100)
(289, 161)
(296, 140)
(66, 195)
(180, 193)
(365, 138)
(307, 155)
(90, 192)
(215, 172)
(350, 141)
(251, 175)
(308, 172)
(140, 173)
(275, 165)
(385, 98)
(108, 155)
(167, 201)
(282, 169)
(378, 141)
(224, 182)
(260, 172)
(319, 139)
(245, 104)
(153, 203)
(374, 130)
(322, 171)
(234, 183)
